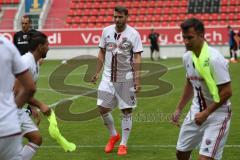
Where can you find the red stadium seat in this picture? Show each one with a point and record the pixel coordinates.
(91, 25)
(223, 9)
(71, 12)
(69, 20)
(149, 12)
(164, 24)
(108, 19)
(111, 4)
(79, 12)
(75, 25)
(77, 19)
(67, 25)
(213, 16)
(96, 5)
(223, 16)
(174, 17)
(224, 2)
(234, 2)
(231, 16)
(83, 25)
(92, 19)
(84, 19)
(100, 19)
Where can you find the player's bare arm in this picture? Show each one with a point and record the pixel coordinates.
(100, 62)
(28, 90)
(43, 107)
(186, 96)
(137, 69)
(225, 92)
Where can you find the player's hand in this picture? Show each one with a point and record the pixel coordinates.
(176, 117)
(137, 87)
(201, 117)
(45, 109)
(36, 115)
(40, 61)
(94, 78)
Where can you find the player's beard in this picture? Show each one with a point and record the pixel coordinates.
(44, 55)
(120, 26)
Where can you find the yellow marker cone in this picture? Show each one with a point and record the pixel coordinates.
(55, 134)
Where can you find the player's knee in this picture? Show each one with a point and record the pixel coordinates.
(202, 157)
(37, 139)
(127, 111)
(178, 154)
(183, 155)
(103, 110)
(34, 137)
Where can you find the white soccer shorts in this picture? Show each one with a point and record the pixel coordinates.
(27, 124)
(11, 147)
(121, 94)
(211, 136)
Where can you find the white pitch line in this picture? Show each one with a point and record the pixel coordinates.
(132, 146)
(72, 98)
(45, 75)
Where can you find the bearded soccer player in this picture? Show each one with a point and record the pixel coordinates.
(10, 130)
(208, 85)
(120, 53)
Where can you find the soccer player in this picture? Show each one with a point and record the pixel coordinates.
(10, 131)
(208, 84)
(20, 38)
(153, 36)
(38, 47)
(233, 44)
(120, 52)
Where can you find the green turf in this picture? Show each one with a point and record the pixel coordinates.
(152, 137)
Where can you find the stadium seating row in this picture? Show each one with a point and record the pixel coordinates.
(128, 3)
(147, 13)
(152, 18)
(149, 24)
(9, 1)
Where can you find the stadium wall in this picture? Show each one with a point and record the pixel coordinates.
(170, 51)
(69, 43)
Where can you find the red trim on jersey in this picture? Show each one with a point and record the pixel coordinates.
(114, 68)
(132, 65)
(11, 135)
(21, 73)
(221, 134)
(33, 147)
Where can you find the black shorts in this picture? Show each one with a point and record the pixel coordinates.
(154, 47)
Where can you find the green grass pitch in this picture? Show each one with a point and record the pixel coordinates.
(153, 137)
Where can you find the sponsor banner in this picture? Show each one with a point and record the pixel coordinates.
(91, 37)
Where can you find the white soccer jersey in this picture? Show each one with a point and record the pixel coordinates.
(33, 67)
(219, 71)
(10, 64)
(120, 48)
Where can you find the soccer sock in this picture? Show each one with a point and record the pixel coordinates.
(235, 55)
(231, 53)
(109, 123)
(29, 150)
(126, 128)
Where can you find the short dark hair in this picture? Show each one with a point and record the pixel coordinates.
(29, 18)
(35, 38)
(195, 23)
(121, 9)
